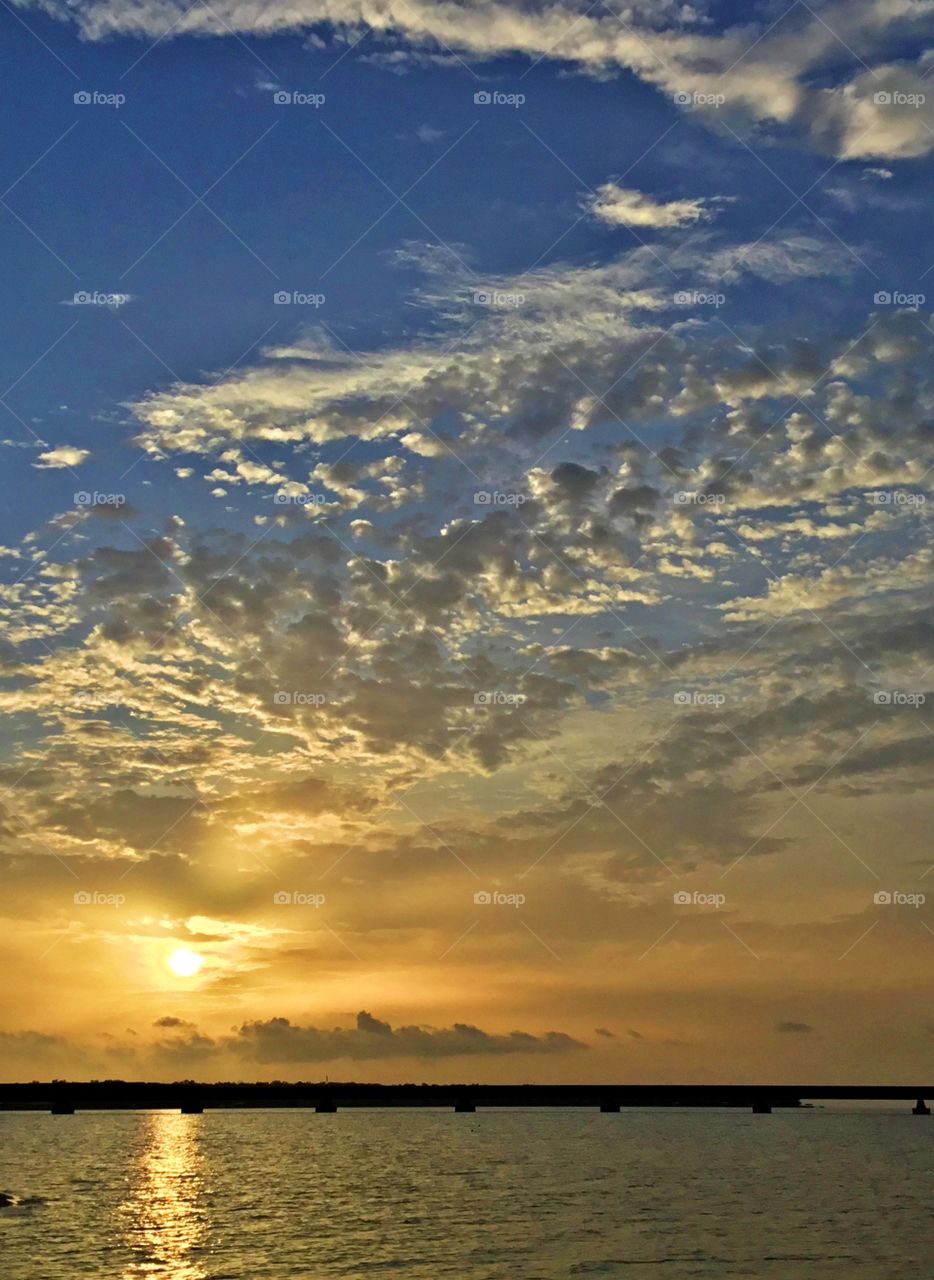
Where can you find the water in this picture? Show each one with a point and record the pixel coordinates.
(501, 1195)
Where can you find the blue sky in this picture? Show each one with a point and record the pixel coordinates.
(504, 185)
(567, 537)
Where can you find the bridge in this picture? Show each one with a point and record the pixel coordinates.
(65, 1098)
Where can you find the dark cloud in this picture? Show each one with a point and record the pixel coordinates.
(279, 1040)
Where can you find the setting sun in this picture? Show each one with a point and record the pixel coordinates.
(185, 963)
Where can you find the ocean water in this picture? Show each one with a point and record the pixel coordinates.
(500, 1195)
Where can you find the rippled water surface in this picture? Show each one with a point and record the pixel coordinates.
(501, 1195)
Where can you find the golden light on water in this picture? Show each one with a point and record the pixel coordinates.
(164, 1217)
(184, 962)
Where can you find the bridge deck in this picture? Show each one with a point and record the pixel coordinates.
(118, 1095)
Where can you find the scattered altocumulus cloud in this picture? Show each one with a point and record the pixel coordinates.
(62, 456)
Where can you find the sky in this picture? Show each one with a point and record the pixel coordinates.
(466, 541)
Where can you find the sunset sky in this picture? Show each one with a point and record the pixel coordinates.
(466, 605)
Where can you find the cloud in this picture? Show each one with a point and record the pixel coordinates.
(33, 1040)
(626, 207)
(794, 1028)
(62, 456)
(886, 111)
(279, 1040)
(577, 328)
(765, 71)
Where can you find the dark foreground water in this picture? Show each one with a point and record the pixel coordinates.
(503, 1195)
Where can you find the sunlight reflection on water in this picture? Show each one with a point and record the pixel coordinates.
(499, 1195)
(163, 1220)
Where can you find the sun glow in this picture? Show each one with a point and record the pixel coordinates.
(185, 963)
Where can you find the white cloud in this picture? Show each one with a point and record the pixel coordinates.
(64, 455)
(884, 111)
(581, 318)
(764, 69)
(626, 207)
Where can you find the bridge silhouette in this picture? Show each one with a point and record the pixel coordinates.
(64, 1097)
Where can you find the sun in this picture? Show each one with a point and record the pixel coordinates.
(185, 963)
